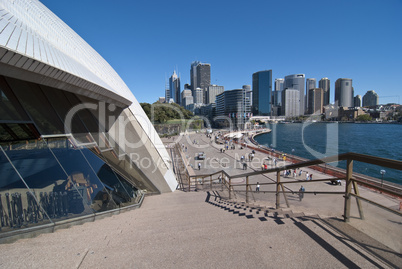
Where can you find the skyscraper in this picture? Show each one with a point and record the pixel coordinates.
(310, 84)
(186, 98)
(198, 95)
(296, 81)
(212, 92)
(279, 82)
(234, 104)
(290, 103)
(324, 84)
(316, 101)
(174, 88)
(358, 101)
(277, 97)
(200, 74)
(344, 92)
(370, 98)
(262, 93)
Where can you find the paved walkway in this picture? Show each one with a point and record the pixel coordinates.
(328, 205)
(198, 230)
(193, 230)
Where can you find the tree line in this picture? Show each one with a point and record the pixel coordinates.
(161, 113)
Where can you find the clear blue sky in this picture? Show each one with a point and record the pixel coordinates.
(144, 41)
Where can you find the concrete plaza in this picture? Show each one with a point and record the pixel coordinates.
(199, 230)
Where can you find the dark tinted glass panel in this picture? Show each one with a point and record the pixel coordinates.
(62, 106)
(10, 108)
(122, 193)
(86, 116)
(17, 131)
(21, 131)
(106, 114)
(81, 175)
(42, 173)
(19, 206)
(4, 134)
(37, 106)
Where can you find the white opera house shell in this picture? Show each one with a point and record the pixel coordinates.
(75, 143)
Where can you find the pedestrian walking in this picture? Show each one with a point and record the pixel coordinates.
(257, 188)
(244, 166)
(307, 176)
(199, 166)
(301, 193)
(311, 176)
(300, 172)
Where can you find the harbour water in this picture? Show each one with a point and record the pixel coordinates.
(318, 140)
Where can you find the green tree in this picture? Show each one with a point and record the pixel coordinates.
(365, 117)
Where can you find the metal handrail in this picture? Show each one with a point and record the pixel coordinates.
(350, 180)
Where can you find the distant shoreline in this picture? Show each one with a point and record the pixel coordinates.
(349, 122)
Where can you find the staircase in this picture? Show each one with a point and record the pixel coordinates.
(261, 213)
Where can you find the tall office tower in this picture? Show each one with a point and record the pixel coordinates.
(358, 101)
(249, 94)
(344, 92)
(262, 93)
(277, 97)
(174, 88)
(324, 84)
(198, 95)
(316, 101)
(200, 75)
(291, 102)
(212, 92)
(186, 98)
(167, 94)
(279, 82)
(310, 84)
(370, 98)
(193, 75)
(296, 81)
(235, 105)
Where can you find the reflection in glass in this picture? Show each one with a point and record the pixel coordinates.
(121, 191)
(19, 206)
(51, 194)
(81, 175)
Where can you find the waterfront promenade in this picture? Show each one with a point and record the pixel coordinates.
(198, 230)
(325, 205)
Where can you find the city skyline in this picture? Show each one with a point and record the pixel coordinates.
(355, 40)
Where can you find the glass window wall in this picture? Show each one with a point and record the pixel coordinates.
(81, 174)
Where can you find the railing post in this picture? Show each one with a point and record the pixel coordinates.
(359, 203)
(222, 180)
(189, 182)
(278, 185)
(247, 189)
(230, 188)
(348, 189)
